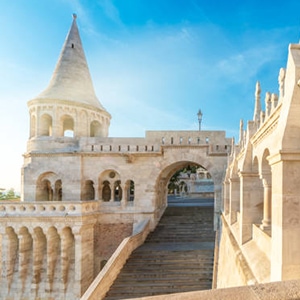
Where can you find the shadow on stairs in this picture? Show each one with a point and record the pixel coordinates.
(176, 257)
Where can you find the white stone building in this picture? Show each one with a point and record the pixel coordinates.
(83, 192)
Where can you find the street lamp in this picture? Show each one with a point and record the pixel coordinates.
(199, 114)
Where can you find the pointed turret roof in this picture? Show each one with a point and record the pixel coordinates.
(71, 79)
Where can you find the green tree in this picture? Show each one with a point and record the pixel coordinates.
(2, 194)
(8, 195)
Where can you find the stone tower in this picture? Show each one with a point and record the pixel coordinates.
(65, 112)
(68, 106)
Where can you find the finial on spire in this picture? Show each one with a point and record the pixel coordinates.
(257, 108)
(257, 89)
(74, 16)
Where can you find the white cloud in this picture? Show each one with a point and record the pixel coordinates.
(111, 11)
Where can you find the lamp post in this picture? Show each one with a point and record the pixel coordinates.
(199, 114)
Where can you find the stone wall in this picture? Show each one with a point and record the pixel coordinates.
(107, 238)
(233, 269)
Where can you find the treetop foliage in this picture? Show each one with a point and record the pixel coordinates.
(8, 194)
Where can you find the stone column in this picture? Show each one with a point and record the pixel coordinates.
(84, 258)
(96, 189)
(226, 189)
(266, 222)
(39, 248)
(25, 261)
(234, 199)
(9, 264)
(250, 198)
(285, 255)
(124, 200)
(112, 191)
(53, 262)
(67, 262)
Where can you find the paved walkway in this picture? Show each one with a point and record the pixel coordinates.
(188, 201)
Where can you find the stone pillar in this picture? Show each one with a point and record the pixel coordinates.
(9, 264)
(266, 221)
(96, 189)
(53, 262)
(226, 189)
(84, 258)
(112, 192)
(125, 189)
(67, 263)
(39, 276)
(285, 255)
(25, 262)
(234, 199)
(250, 198)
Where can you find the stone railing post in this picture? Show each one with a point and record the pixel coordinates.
(266, 222)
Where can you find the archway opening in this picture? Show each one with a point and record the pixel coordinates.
(190, 182)
(67, 126)
(46, 125)
(199, 184)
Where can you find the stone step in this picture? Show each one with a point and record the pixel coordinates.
(157, 288)
(151, 273)
(171, 260)
(152, 291)
(176, 257)
(163, 280)
(160, 268)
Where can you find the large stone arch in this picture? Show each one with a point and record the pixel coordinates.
(215, 165)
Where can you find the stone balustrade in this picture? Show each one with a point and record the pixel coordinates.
(53, 208)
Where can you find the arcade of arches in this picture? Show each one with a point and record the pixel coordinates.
(50, 188)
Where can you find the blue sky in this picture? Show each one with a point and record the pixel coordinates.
(154, 63)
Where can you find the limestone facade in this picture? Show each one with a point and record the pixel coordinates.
(261, 211)
(83, 192)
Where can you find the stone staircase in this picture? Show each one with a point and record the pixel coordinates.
(176, 257)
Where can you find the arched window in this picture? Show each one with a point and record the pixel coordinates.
(67, 126)
(95, 129)
(58, 191)
(88, 191)
(106, 191)
(130, 190)
(48, 187)
(44, 191)
(46, 125)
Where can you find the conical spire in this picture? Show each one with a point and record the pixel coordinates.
(71, 79)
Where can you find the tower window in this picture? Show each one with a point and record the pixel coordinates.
(72, 45)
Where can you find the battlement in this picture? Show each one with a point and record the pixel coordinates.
(215, 142)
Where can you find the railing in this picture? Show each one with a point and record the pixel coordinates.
(52, 208)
